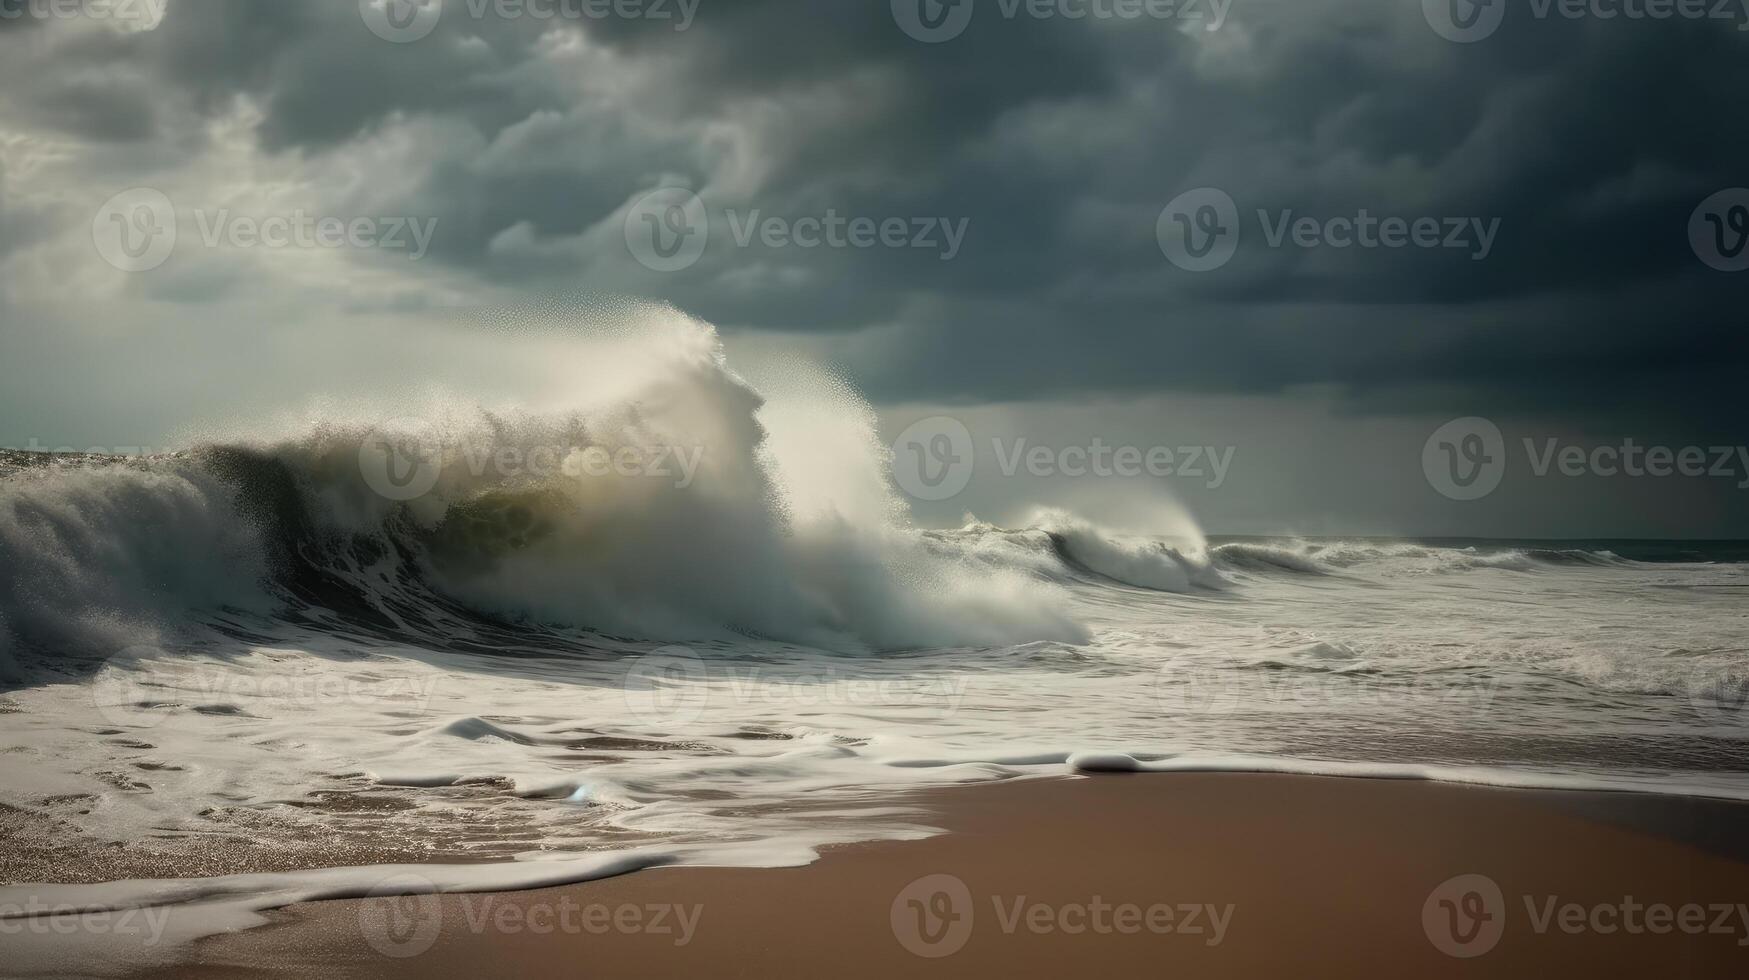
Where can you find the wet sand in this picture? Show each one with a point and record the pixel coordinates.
(1182, 875)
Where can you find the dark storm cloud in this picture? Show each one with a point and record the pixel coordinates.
(1584, 145)
(98, 109)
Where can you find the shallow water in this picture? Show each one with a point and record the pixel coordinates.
(304, 747)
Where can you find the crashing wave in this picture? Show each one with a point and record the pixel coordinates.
(1147, 563)
(671, 503)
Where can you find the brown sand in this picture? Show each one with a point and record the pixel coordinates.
(1325, 878)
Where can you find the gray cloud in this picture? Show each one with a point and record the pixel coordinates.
(1587, 143)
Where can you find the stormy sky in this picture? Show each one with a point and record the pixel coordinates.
(976, 210)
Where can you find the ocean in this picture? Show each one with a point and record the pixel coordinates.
(683, 621)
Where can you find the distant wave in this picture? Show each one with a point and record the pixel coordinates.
(1267, 558)
(1302, 557)
(1577, 556)
(1141, 562)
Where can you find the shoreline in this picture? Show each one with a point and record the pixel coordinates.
(1198, 874)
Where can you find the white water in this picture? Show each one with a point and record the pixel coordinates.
(748, 666)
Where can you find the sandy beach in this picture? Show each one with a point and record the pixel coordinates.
(1203, 875)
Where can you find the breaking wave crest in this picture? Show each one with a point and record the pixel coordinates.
(671, 502)
(1179, 564)
(665, 499)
